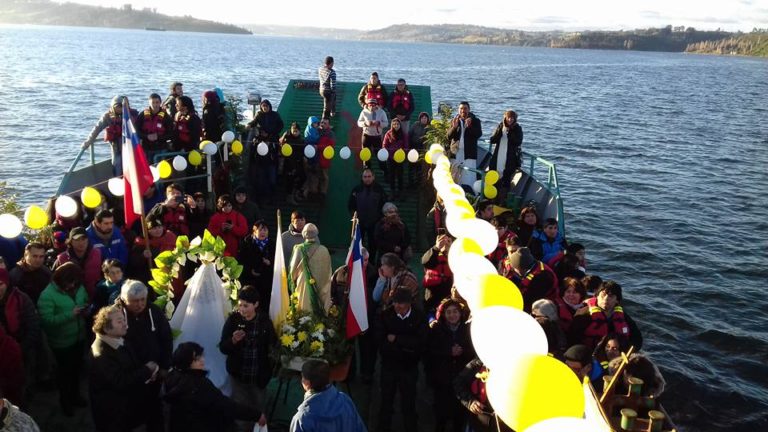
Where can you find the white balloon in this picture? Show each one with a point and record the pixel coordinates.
(228, 136)
(210, 149)
(179, 163)
(382, 154)
(345, 152)
(522, 334)
(155, 173)
(309, 151)
(66, 206)
(477, 186)
(10, 226)
(116, 186)
(562, 424)
(413, 156)
(262, 149)
(468, 264)
(477, 229)
(436, 147)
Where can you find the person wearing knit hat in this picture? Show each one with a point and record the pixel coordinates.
(311, 272)
(534, 278)
(416, 135)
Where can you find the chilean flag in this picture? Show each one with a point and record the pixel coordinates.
(357, 308)
(137, 177)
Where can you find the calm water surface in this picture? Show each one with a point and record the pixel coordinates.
(662, 160)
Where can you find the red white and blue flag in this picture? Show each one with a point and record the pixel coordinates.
(137, 177)
(357, 307)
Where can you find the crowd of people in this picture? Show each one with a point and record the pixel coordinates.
(89, 285)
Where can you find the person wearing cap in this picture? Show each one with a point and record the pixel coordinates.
(31, 275)
(463, 135)
(373, 89)
(228, 224)
(401, 105)
(246, 207)
(112, 123)
(149, 335)
(169, 104)
(604, 314)
(88, 258)
(534, 278)
(402, 336)
(374, 122)
(247, 338)
(310, 273)
(324, 408)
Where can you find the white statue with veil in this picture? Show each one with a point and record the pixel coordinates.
(205, 304)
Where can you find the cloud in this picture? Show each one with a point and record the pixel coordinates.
(650, 14)
(447, 10)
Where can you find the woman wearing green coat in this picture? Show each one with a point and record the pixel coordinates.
(63, 306)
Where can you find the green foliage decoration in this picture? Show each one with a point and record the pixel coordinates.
(206, 249)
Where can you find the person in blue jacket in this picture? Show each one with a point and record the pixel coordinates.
(547, 243)
(103, 234)
(324, 407)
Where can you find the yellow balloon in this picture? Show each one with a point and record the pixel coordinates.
(237, 147)
(490, 191)
(428, 157)
(91, 197)
(35, 217)
(365, 154)
(399, 156)
(165, 169)
(328, 152)
(204, 143)
(460, 204)
(491, 177)
(286, 150)
(195, 158)
(492, 290)
(532, 388)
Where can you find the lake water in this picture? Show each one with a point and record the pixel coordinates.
(662, 161)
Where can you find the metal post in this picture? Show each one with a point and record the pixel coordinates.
(209, 175)
(225, 148)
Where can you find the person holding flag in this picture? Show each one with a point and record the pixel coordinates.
(113, 123)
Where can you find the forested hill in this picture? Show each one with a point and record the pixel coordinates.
(45, 12)
(669, 38)
(750, 44)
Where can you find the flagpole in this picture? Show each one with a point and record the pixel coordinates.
(143, 220)
(354, 224)
(279, 225)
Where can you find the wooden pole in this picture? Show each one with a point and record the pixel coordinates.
(354, 225)
(279, 225)
(614, 380)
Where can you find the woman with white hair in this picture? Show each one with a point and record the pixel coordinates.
(149, 335)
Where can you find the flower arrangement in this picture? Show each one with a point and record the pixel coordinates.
(208, 249)
(306, 335)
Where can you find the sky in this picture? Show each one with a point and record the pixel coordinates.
(730, 15)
